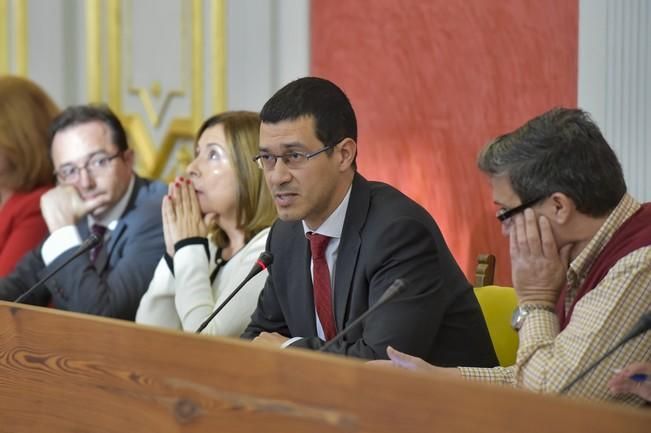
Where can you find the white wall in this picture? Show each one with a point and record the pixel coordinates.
(268, 46)
(614, 74)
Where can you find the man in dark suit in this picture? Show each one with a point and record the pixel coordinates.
(97, 192)
(342, 240)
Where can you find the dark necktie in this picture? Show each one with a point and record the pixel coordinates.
(100, 231)
(321, 284)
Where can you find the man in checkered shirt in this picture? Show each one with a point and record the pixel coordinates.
(580, 255)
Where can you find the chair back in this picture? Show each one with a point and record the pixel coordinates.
(485, 271)
(497, 304)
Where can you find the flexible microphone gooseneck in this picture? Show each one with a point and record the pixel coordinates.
(91, 241)
(642, 326)
(398, 286)
(264, 260)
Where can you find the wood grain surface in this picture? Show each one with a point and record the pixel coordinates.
(66, 372)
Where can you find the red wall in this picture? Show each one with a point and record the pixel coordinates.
(432, 81)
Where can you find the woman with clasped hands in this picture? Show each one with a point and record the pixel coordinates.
(216, 221)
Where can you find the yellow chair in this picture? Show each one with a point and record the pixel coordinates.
(497, 304)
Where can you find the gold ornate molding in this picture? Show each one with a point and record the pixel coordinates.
(93, 51)
(197, 63)
(4, 37)
(144, 95)
(20, 40)
(218, 36)
(21, 32)
(152, 159)
(114, 17)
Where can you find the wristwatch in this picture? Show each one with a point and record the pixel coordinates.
(522, 311)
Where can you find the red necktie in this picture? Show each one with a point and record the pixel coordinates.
(100, 231)
(321, 284)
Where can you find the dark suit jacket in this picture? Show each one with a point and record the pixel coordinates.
(385, 236)
(113, 285)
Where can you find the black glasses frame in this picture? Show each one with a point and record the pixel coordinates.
(85, 166)
(307, 156)
(516, 210)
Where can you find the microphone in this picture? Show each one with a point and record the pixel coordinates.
(398, 286)
(642, 326)
(91, 242)
(264, 260)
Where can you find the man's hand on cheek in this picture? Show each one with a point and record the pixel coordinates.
(62, 206)
(538, 268)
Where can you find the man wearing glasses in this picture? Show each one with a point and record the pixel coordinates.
(342, 241)
(580, 250)
(97, 192)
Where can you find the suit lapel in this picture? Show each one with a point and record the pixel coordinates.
(349, 246)
(105, 255)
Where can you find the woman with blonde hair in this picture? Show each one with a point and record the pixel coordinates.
(26, 112)
(216, 223)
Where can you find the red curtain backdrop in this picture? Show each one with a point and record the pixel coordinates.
(432, 81)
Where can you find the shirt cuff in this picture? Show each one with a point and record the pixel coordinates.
(195, 240)
(496, 375)
(290, 342)
(58, 242)
(539, 326)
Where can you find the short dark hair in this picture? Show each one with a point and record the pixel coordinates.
(334, 117)
(561, 150)
(80, 114)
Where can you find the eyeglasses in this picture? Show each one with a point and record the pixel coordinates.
(267, 161)
(505, 214)
(95, 165)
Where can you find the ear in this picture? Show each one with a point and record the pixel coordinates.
(128, 157)
(347, 153)
(560, 208)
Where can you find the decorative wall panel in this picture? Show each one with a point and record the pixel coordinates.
(156, 80)
(432, 81)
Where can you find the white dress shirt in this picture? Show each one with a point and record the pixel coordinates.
(331, 227)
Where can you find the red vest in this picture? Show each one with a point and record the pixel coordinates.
(634, 234)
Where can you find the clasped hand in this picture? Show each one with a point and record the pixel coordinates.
(182, 217)
(538, 267)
